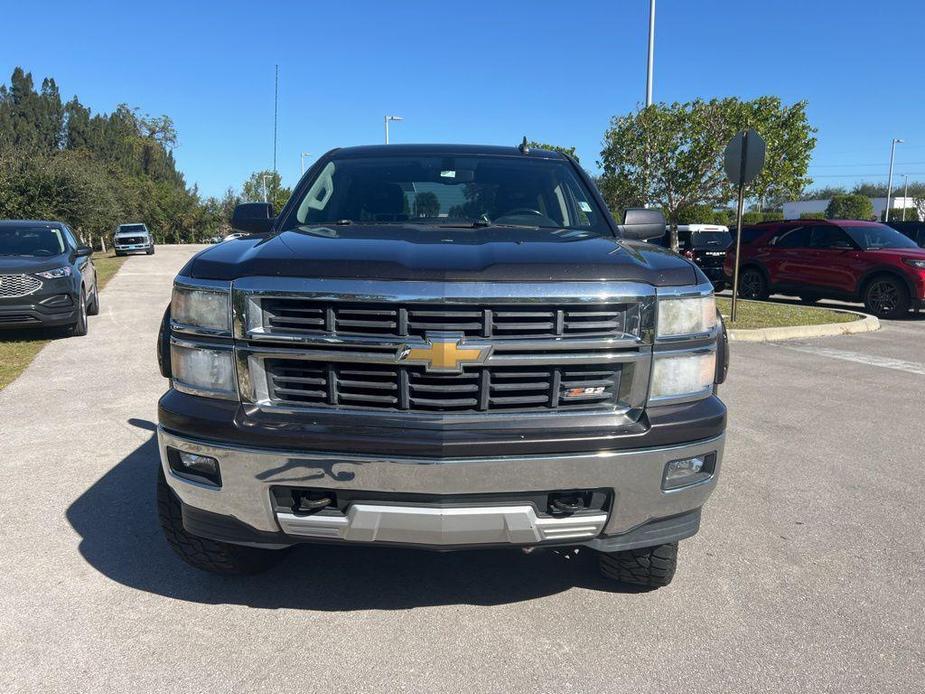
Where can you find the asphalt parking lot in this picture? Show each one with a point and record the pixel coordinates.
(807, 574)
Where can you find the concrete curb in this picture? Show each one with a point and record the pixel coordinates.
(866, 324)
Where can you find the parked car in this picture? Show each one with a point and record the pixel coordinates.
(833, 259)
(47, 278)
(507, 367)
(133, 238)
(706, 245)
(913, 229)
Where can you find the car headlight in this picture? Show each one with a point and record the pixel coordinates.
(56, 273)
(205, 308)
(676, 375)
(692, 315)
(915, 262)
(205, 370)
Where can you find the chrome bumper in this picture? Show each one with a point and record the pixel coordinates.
(635, 476)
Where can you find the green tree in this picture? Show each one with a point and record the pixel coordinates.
(426, 204)
(851, 206)
(265, 185)
(812, 215)
(671, 155)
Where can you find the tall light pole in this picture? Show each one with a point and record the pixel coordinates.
(302, 160)
(651, 63)
(275, 113)
(265, 194)
(905, 195)
(889, 185)
(387, 119)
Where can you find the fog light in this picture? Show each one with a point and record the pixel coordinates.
(687, 471)
(199, 468)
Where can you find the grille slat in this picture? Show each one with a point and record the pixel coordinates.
(307, 383)
(311, 317)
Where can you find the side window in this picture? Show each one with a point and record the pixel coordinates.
(583, 209)
(69, 236)
(795, 238)
(317, 198)
(829, 237)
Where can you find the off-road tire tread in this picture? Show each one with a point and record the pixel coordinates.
(653, 567)
(204, 554)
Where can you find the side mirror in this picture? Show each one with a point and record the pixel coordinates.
(641, 223)
(84, 251)
(253, 218)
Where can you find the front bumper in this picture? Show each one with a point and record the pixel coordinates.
(639, 512)
(128, 247)
(54, 307)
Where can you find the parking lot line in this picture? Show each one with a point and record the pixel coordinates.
(861, 358)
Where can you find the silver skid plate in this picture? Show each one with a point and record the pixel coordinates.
(443, 526)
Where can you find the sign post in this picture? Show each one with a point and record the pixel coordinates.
(742, 161)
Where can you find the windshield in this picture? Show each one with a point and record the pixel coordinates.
(132, 229)
(874, 236)
(450, 191)
(34, 241)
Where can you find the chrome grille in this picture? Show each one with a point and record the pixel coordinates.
(19, 285)
(297, 316)
(301, 383)
(129, 240)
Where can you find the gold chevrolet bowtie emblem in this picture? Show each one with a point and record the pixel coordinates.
(444, 353)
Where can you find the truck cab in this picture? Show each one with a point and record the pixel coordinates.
(445, 347)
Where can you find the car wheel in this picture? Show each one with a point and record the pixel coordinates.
(886, 297)
(93, 309)
(752, 285)
(150, 251)
(80, 326)
(652, 567)
(204, 554)
(119, 254)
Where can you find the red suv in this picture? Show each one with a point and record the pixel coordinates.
(832, 259)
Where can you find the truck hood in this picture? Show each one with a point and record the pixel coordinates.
(415, 252)
(27, 264)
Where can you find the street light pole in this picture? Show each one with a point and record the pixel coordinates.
(905, 195)
(387, 119)
(302, 160)
(265, 195)
(651, 62)
(889, 185)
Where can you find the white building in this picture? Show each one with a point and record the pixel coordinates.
(793, 210)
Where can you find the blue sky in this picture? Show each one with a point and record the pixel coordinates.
(476, 71)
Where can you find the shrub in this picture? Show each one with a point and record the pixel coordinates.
(772, 216)
(812, 215)
(851, 206)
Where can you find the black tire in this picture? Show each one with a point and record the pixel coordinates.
(93, 308)
(119, 253)
(80, 327)
(886, 297)
(653, 567)
(150, 251)
(207, 555)
(752, 285)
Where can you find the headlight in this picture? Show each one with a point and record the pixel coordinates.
(57, 273)
(203, 370)
(686, 315)
(915, 262)
(680, 375)
(209, 309)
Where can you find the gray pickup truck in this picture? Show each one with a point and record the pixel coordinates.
(442, 347)
(133, 238)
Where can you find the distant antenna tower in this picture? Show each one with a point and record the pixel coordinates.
(275, 114)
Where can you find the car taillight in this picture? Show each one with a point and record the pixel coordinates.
(689, 254)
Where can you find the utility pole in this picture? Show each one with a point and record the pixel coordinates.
(905, 195)
(265, 194)
(387, 119)
(889, 185)
(302, 160)
(275, 114)
(651, 62)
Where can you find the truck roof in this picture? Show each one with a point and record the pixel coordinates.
(441, 150)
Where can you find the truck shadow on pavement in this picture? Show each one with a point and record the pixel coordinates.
(120, 537)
